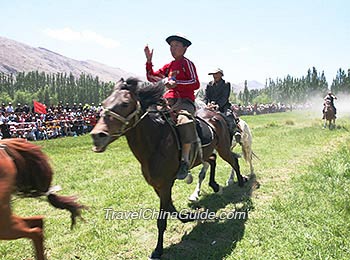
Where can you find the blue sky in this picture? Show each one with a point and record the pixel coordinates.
(249, 40)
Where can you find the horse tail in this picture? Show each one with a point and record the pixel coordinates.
(68, 203)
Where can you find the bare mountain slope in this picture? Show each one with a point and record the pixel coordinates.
(17, 57)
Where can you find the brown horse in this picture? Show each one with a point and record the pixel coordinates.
(24, 170)
(131, 110)
(329, 115)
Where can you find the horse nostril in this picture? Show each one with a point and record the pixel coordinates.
(99, 135)
(102, 135)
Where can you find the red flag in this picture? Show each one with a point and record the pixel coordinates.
(39, 107)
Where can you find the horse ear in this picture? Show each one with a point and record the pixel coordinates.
(132, 84)
(118, 83)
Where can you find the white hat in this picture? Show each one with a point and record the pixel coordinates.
(180, 38)
(216, 71)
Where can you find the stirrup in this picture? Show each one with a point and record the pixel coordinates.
(238, 137)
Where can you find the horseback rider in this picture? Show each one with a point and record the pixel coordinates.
(218, 92)
(329, 97)
(181, 79)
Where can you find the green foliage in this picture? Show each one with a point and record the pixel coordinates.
(23, 97)
(5, 98)
(262, 99)
(52, 88)
(296, 90)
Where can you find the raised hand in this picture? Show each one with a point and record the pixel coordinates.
(148, 53)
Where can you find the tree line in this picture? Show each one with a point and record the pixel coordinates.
(291, 90)
(50, 89)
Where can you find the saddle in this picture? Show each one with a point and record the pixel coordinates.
(205, 132)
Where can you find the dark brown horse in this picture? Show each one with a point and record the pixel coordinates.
(329, 115)
(24, 170)
(131, 110)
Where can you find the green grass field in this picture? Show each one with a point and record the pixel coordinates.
(298, 203)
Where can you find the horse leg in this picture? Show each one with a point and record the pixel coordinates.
(212, 183)
(167, 207)
(37, 222)
(230, 178)
(195, 195)
(26, 228)
(248, 156)
(165, 202)
(229, 157)
(14, 227)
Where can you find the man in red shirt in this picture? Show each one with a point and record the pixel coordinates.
(181, 79)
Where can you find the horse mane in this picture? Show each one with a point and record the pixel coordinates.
(34, 174)
(148, 93)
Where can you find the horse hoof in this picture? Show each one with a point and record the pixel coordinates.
(194, 197)
(155, 256)
(245, 178)
(189, 178)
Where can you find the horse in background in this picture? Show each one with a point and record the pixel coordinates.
(329, 115)
(135, 111)
(24, 170)
(246, 144)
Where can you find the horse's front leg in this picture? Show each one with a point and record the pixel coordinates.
(195, 195)
(165, 202)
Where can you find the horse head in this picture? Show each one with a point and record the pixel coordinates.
(123, 109)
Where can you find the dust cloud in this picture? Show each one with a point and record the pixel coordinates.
(342, 104)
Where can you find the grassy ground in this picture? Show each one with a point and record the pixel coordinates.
(298, 200)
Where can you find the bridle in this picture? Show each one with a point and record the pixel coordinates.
(126, 125)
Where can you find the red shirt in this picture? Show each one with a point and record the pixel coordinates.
(183, 72)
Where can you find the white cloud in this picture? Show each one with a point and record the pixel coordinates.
(69, 35)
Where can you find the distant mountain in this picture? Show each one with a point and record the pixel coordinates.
(18, 57)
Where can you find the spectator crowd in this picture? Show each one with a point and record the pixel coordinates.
(59, 121)
(73, 120)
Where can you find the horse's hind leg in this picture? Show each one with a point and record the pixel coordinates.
(36, 224)
(30, 227)
(248, 156)
(195, 195)
(212, 183)
(229, 157)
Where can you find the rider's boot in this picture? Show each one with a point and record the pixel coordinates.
(188, 135)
